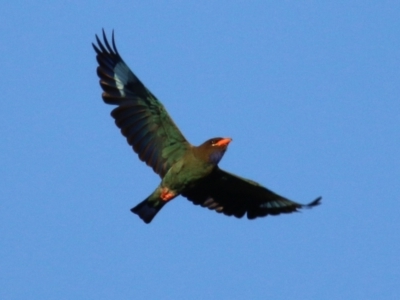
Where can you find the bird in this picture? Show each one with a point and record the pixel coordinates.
(184, 169)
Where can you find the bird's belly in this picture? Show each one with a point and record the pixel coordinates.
(181, 176)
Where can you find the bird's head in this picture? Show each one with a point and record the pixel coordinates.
(213, 149)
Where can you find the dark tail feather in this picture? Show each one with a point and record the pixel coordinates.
(146, 211)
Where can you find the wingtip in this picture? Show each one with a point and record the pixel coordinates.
(313, 203)
(106, 48)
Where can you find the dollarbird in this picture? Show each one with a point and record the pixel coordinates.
(187, 170)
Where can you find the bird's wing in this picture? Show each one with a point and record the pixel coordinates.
(235, 196)
(142, 119)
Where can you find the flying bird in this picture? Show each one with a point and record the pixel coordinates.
(187, 170)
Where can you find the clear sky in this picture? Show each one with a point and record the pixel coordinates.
(308, 90)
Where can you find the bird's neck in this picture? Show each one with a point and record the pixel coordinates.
(207, 155)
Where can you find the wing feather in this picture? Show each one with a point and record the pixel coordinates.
(141, 117)
(236, 196)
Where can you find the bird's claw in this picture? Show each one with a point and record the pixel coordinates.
(166, 195)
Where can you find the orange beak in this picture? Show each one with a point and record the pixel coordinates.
(224, 142)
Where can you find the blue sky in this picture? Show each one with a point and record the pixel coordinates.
(309, 92)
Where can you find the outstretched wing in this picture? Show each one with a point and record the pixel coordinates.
(235, 196)
(142, 119)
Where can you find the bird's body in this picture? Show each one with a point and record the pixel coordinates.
(184, 169)
(182, 176)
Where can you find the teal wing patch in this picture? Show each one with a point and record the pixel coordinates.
(236, 196)
(142, 119)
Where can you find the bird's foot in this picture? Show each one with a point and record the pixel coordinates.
(167, 194)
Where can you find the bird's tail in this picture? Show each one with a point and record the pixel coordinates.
(147, 210)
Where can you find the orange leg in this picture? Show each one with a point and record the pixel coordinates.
(166, 194)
